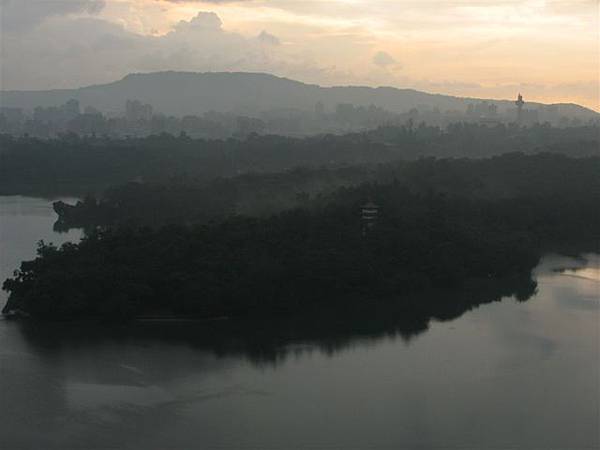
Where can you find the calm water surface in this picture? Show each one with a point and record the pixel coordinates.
(505, 375)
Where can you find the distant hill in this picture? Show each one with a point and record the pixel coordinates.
(183, 93)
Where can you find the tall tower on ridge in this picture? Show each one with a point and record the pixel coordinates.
(519, 104)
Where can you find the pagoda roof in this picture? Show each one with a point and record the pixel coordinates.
(370, 205)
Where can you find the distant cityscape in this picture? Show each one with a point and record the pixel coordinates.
(138, 119)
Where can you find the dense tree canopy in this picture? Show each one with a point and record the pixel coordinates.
(429, 235)
(260, 195)
(75, 165)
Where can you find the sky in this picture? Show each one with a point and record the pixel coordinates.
(549, 50)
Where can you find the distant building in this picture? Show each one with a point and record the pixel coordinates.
(484, 113)
(525, 116)
(12, 115)
(11, 120)
(482, 110)
(344, 112)
(71, 108)
(57, 116)
(520, 103)
(136, 110)
(90, 110)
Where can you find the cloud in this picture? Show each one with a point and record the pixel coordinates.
(203, 21)
(23, 14)
(62, 52)
(83, 51)
(383, 59)
(480, 46)
(268, 38)
(204, 1)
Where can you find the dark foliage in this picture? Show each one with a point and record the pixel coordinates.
(318, 256)
(260, 195)
(75, 165)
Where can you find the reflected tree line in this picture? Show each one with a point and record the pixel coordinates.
(265, 341)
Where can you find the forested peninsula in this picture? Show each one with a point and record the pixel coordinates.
(428, 234)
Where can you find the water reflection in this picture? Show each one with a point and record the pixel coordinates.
(23, 222)
(508, 374)
(467, 371)
(270, 340)
(589, 273)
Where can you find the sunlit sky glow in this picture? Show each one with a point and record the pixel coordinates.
(548, 49)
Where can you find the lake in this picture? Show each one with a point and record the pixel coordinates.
(505, 375)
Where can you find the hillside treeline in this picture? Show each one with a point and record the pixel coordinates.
(263, 194)
(76, 165)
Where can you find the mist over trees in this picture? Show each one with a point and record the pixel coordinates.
(254, 194)
(76, 165)
(432, 232)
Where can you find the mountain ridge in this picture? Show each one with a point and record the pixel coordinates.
(187, 93)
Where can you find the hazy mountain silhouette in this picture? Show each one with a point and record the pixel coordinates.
(182, 93)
